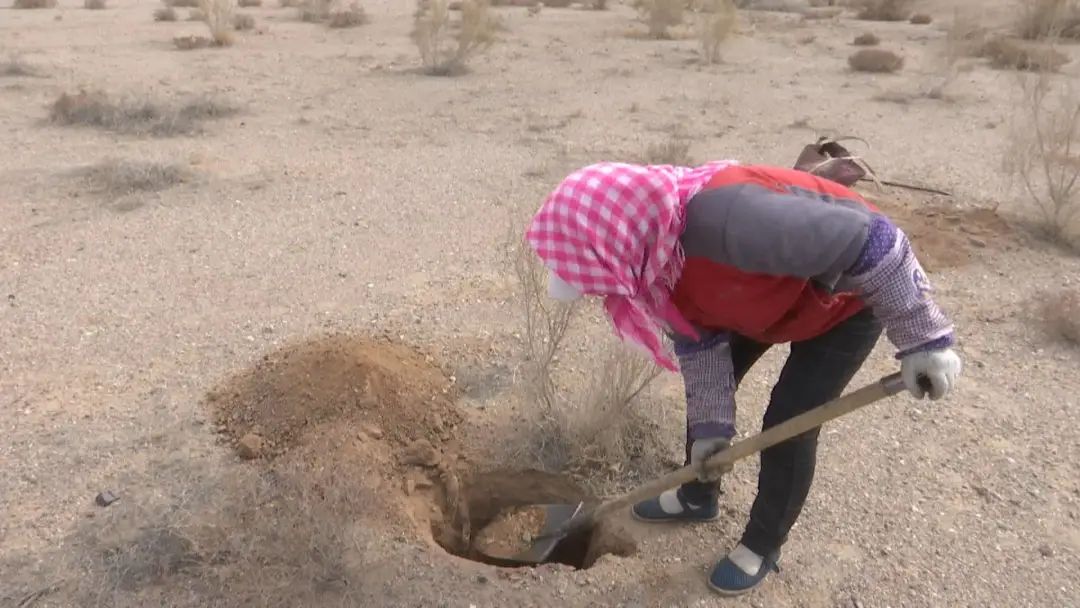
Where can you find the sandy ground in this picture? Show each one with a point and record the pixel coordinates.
(352, 193)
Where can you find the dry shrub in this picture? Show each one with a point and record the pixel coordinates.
(1012, 54)
(290, 3)
(884, 10)
(875, 60)
(350, 17)
(1043, 153)
(1041, 19)
(249, 3)
(675, 151)
(16, 67)
(34, 4)
(182, 3)
(243, 23)
(866, 39)
(921, 19)
(121, 177)
(963, 38)
(717, 23)
(165, 14)
(312, 11)
(660, 15)
(192, 42)
(139, 117)
(219, 18)
(1061, 315)
(196, 15)
(94, 5)
(596, 433)
(446, 46)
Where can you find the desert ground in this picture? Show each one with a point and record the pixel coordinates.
(286, 334)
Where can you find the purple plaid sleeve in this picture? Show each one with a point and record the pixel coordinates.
(892, 282)
(709, 380)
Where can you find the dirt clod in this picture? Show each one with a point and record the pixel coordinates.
(420, 453)
(250, 446)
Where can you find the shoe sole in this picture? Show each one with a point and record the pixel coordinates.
(729, 592)
(647, 520)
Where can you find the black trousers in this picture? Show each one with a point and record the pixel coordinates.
(817, 371)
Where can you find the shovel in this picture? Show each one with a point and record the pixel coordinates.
(565, 520)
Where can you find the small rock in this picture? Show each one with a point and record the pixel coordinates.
(410, 487)
(372, 431)
(106, 498)
(250, 446)
(977, 242)
(480, 578)
(1046, 550)
(420, 452)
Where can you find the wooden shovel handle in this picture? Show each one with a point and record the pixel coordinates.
(886, 387)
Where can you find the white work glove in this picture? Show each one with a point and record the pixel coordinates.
(940, 369)
(701, 450)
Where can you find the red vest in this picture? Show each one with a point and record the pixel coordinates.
(765, 308)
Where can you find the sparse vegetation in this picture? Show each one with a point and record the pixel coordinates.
(139, 117)
(94, 5)
(661, 15)
(1043, 151)
(1012, 54)
(921, 19)
(717, 23)
(313, 11)
(28, 4)
(443, 51)
(1061, 315)
(182, 3)
(352, 16)
(884, 10)
(192, 42)
(1041, 19)
(876, 61)
(219, 18)
(249, 3)
(165, 14)
(242, 22)
(866, 39)
(121, 177)
(196, 15)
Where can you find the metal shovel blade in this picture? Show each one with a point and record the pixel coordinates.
(557, 519)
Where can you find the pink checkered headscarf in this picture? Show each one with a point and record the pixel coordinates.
(612, 229)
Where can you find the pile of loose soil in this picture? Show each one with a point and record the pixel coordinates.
(946, 237)
(382, 388)
(511, 532)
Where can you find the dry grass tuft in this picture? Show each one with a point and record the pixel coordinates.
(884, 10)
(182, 3)
(1041, 19)
(660, 16)
(1060, 314)
(219, 18)
(242, 23)
(315, 11)
(1012, 54)
(27, 4)
(921, 19)
(94, 5)
(350, 17)
(717, 24)
(675, 151)
(139, 117)
(1043, 152)
(866, 39)
(447, 46)
(249, 3)
(122, 177)
(875, 61)
(165, 14)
